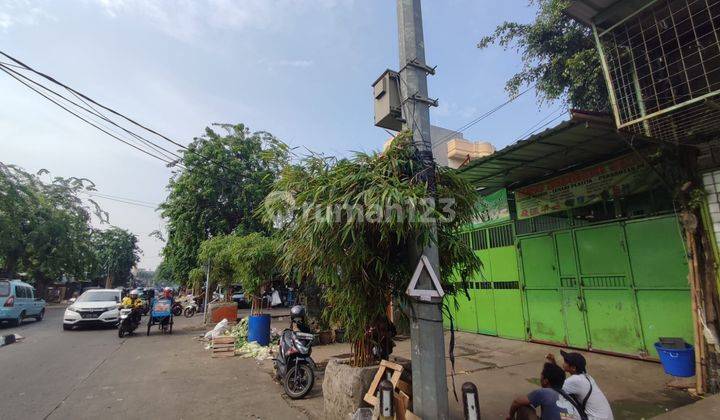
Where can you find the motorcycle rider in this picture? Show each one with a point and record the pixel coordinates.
(132, 301)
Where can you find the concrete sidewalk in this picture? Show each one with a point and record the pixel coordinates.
(503, 369)
(707, 408)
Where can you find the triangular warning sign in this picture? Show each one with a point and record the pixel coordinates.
(425, 294)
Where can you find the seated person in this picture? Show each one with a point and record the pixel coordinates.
(132, 301)
(549, 398)
(582, 387)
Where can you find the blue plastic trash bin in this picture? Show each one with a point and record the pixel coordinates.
(677, 362)
(259, 329)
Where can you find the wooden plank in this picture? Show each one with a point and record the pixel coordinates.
(404, 387)
(370, 397)
(224, 340)
(223, 346)
(409, 415)
(402, 404)
(391, 365)
(385, 365)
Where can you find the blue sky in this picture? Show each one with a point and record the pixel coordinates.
(299, 69)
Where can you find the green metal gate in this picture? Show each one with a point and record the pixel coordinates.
(610, 308)
(495, 306)
(614, 287)
(540, 274)
(659, 266)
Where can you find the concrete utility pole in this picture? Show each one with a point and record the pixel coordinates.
(430, 399)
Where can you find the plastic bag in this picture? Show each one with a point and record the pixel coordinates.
(220, 329)
(276, 298)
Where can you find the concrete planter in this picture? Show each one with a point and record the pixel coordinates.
(344, 387)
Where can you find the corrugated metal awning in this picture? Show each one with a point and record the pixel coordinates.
(584, 139)
(604, 13)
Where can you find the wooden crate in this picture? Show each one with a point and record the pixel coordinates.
(223, 347)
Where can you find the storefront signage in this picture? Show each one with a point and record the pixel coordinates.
(493, 208)
(619, 177)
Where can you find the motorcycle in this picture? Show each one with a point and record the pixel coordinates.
(177, 309)
(190, 308)
(294, 366)
(128, 323)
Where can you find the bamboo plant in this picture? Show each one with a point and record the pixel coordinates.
(350, 224)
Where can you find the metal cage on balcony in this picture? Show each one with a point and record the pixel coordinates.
(662, 62)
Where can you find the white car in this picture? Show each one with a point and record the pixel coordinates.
(93, 307)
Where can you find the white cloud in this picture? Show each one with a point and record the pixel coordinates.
(276, 64)
(21, 12)
(187, 19)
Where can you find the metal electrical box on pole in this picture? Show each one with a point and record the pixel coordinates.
(386, 97)
(430, 399)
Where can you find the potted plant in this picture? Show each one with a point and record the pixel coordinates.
(355, 231)
(325, 334)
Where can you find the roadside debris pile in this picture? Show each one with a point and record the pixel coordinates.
(223, 338)
(9, 339)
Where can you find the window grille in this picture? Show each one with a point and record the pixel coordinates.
(663, 64)
(501, 236)
(479, 239)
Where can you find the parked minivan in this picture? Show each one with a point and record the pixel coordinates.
(17, 302)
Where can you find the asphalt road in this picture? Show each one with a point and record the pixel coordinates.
(91, 374)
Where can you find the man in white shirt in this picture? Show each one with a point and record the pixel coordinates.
(583, 388)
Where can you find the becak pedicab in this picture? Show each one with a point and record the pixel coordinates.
(161, 313)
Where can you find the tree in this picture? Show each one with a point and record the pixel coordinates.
(559, 57)
(256, 264)
(251, 260)
(45, 225)
(351, 228)
(225, 180)
(116, 253)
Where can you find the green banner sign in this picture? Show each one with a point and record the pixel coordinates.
(493, 208)
(618, 177)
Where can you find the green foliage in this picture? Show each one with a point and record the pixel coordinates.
(116, 253)
(256, 261)
(251, 260)
(44, 226)
(361, 262)
(218, 195)
(559, 57)
(46, 231)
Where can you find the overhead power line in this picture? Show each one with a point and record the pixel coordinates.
(168, 156)
(4, 69)
(115, 197)
(132, 203)
(114, 112)
(484, 115)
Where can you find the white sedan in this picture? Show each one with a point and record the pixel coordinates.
(93, 307)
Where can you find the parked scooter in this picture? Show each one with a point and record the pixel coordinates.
(177, 308)
(190, 308)
(294, 366)
(128, 323)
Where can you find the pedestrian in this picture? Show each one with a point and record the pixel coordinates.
(553, 405)
(582, 387)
